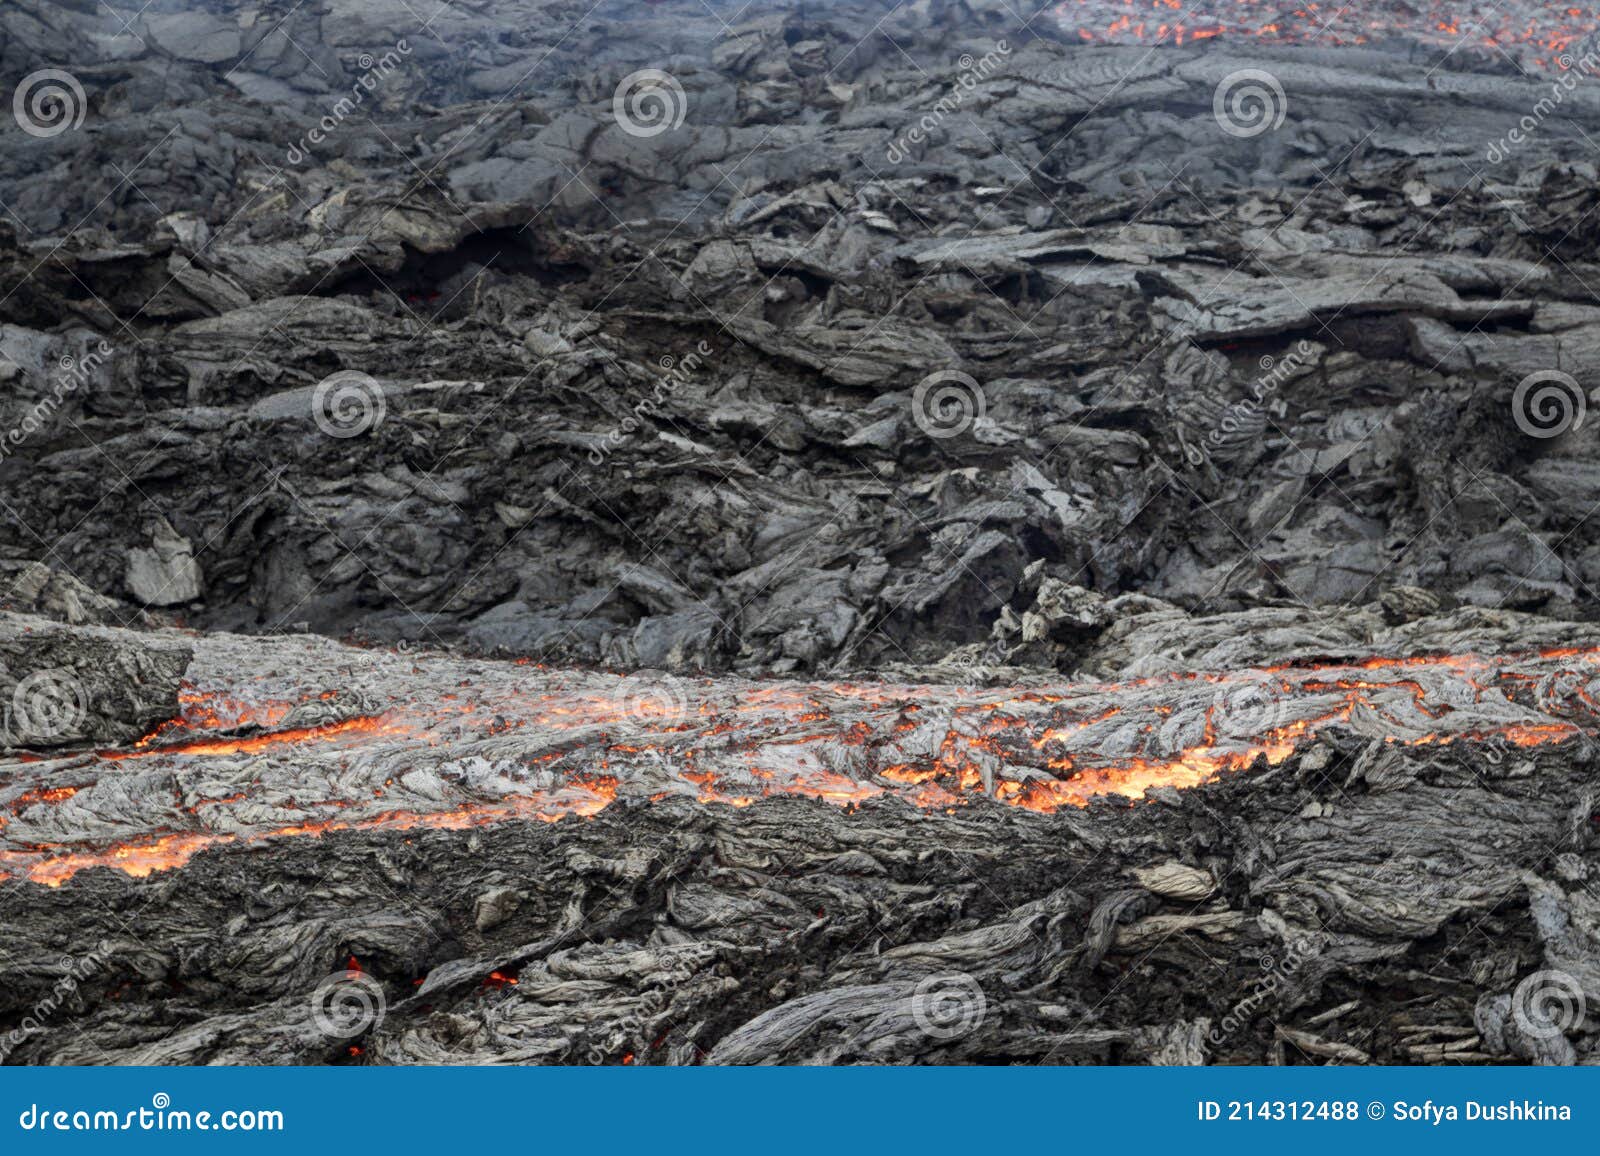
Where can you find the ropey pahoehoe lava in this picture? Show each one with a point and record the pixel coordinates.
(853, 532)
(381, 740)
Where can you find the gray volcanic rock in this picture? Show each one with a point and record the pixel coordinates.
(166, 573)
(829, 513)
(62, 687)
(854, 409)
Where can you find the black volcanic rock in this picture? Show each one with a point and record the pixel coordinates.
(950, 408)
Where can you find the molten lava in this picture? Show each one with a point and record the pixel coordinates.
(1544, 34)
(509, 743)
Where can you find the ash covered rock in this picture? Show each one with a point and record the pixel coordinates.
(164, 573)
(33, 587)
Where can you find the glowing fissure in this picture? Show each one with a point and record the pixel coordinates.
(513, 745)
(256, 743)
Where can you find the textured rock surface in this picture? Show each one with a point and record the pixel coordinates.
(60, 687)
(787, 537)
(551, 866)
(686, 399)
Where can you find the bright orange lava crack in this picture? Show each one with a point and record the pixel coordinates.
(257, 743)
(164, 852)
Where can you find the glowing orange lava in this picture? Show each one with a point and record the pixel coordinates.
(165, 852)
(257, 743)
(1544, 34)
(548, 745)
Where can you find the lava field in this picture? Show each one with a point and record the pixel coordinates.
(799, 533)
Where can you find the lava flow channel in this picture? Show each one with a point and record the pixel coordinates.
(1546, 34)
(251, 762)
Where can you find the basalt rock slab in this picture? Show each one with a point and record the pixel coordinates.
(63, 687)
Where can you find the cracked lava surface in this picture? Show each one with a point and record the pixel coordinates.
(304, 737)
